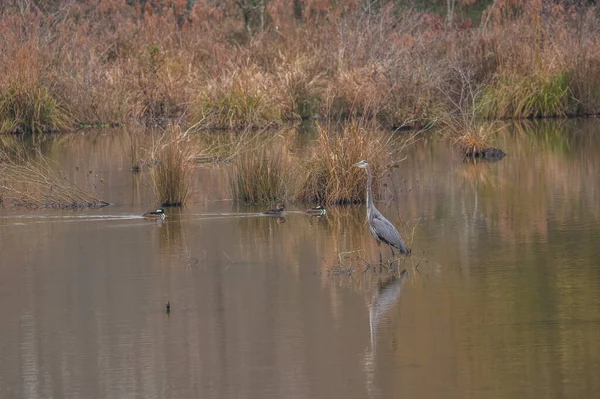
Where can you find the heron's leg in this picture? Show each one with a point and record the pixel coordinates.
(381, 264)
(393, 258)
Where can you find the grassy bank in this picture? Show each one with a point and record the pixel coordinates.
(87, 62)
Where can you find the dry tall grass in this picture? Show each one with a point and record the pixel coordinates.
(33, 182)
(80, 62)
(174, 155)
(329, 175)
(263, 176)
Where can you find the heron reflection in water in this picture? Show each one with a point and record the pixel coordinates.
(379, 226)
(385, 296)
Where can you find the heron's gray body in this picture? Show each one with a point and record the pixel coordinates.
(379, 226)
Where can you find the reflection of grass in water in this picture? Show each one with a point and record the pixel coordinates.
(546, 136)
(476, 173)
(131, 139)
(227, 145)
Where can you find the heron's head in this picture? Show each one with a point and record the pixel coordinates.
(362, 164)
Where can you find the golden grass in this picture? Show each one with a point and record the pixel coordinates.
(239, 99)
(117, 62)
(261, 177)
(263, 168)
(174, 162)
(31, 109)
(329, 175)
(473, 140)
(301, 84)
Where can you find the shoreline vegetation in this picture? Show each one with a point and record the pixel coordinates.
(260, 63)
(361, 69)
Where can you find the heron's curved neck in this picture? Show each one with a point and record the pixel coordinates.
(369, 192)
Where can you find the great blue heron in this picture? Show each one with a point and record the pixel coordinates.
(379, 226)
(278, 211)
(157, 214)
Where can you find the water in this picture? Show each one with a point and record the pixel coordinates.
(501, 298)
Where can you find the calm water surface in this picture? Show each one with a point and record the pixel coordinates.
(505, 302)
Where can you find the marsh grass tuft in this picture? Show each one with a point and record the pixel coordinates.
(31, 109)
(516, 96)
(172, 174)
(236, 101)
(302, 84)
(32, 182)
(262, 176)
(473, 141)
(329, 175)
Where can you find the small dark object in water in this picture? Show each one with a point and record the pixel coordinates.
(489, 153)
(278, 211)
(167, 305)
(316, 211)
(157, 214)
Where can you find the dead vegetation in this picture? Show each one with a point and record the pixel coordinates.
(32, 181)
(174, 157)
(79, 63)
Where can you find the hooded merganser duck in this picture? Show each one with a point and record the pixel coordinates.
(278, 211)
(316, 211)
(157, 214)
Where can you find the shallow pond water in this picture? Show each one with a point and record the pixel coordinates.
(501, 298)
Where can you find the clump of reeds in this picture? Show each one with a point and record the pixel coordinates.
(512, 95)
(357, 92)
(158, 87)
(31, 108)
(172, 173)
(329, 175)
(32, 182)
(262, 176)
(302, 85)
(239, 99)
(473, 141)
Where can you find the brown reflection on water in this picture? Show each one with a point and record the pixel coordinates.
(505, 303)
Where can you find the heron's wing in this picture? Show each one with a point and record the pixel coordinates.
(387, 233)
